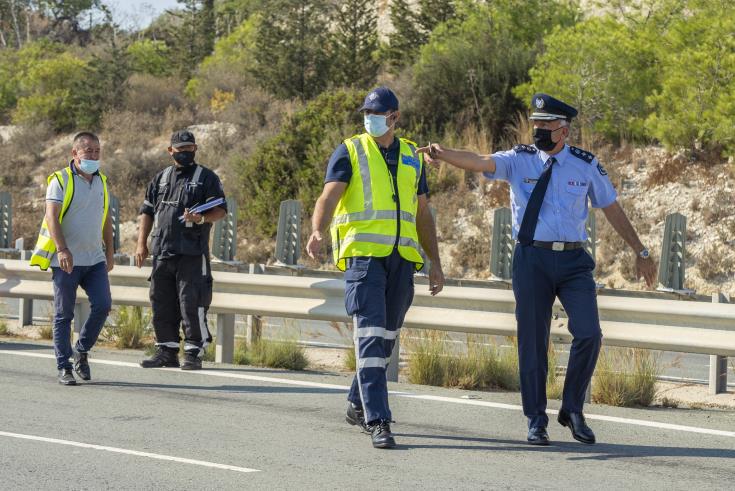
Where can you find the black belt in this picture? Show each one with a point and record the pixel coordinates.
(558, 246)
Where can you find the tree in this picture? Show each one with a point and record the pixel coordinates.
(151, 57)
(406, 37)
(293, 52)
(608, 86)
(193, 35)
(355, 43)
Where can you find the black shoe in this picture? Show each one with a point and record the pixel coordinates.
(191, 361)
(575, 422)
(382, 437)
(81, 366)
(356, 416)
(163, 357)
(538, 436)
(66, 377)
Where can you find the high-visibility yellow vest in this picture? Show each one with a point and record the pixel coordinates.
(367, 218)
(45, 247)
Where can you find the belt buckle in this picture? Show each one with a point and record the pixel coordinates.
(557, 246)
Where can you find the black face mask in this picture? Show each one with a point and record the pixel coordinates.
(542, 139)
(184, 158)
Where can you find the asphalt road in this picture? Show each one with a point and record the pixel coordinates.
(248, 428)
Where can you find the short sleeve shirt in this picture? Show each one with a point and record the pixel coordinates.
(577, 178)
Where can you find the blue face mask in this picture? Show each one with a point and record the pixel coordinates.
(376, 125)
(89, 166)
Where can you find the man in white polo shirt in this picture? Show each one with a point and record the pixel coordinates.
(71, 242)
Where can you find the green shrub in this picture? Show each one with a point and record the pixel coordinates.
(131, 327)
(210, 351)
(350, 362)
(626, 377)
(466, 72)
(607, 85)
(149, 57)
(291, 164)
(483, 366)
(278, 354)
(4, 331)
(695, 105)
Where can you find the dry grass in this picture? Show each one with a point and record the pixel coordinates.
(278, 354)
(350, 363)
(626, 377)
(483, 366)
(131, 329)
(715, 263)
(46, 332)
(554, 383)
(4, 331)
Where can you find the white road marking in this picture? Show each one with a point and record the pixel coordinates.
(410, 395)
(127, 452)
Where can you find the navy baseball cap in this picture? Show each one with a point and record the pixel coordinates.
(547, 108)
(380, 100)
(182, 139)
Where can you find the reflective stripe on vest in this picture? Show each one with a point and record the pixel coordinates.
(45, 247)
(366, 225)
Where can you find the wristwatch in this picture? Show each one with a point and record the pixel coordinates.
(201, 220)
(644, 254)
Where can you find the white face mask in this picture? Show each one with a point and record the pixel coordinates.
(376, 125)
(89, 166)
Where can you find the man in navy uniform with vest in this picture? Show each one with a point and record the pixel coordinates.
(181, 280)
(551, 183)
(376, 198)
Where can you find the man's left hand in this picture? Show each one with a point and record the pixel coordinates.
(647, 269)
(110, 262)
(436, 279)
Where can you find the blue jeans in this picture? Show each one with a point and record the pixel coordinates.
(94, 281)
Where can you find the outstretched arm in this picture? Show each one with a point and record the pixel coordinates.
(458, 158)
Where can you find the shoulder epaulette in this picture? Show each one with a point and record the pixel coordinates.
(406, 140)
(524, 148)
(582, 154)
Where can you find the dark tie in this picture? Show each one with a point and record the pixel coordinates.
(530, 217)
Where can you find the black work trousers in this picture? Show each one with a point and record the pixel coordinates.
(181, 292)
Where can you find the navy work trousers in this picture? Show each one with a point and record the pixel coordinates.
(378, 293)
(539, 276)
(96, 284)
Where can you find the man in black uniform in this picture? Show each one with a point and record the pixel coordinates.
(181, 280)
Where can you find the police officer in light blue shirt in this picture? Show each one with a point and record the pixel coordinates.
(551, 184)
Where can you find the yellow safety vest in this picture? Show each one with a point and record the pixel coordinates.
(367, 218)
(45, 247)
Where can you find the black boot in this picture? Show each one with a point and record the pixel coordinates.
(382, 437)
(66, 377)
(163, 357)
(576, 423)
(81, 366)
(356, 416)
(191, 361)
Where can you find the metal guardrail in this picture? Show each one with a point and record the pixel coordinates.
(649, 323)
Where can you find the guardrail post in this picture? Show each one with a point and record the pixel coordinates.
(225, 338)
(718, 364)
(6, 220)
(427, 262)
(501, 250)
(288, 239)
(25, 305)
(81, 314)
(253, 323)
(671, 267)
(115, 217)
(395, 357)
(224, 242)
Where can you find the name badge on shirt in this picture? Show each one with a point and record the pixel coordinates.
(528, 180)
(577, 183)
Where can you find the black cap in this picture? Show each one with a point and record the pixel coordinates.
(182, 138)
(380, 100)
(547, 108)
